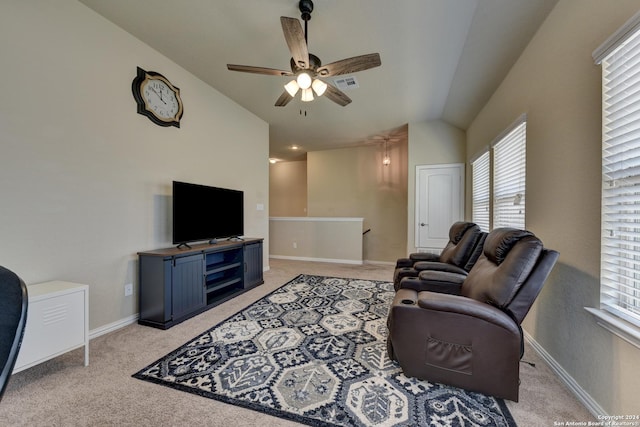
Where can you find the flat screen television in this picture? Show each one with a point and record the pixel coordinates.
(201, 212)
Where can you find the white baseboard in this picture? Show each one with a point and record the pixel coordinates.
(114, 326)
(368, 261)
(337, 261)
(580, 393)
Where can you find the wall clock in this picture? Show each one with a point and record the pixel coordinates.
(157, 98)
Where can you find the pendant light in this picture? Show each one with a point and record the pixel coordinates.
(386, 160)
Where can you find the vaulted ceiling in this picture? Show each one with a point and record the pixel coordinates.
(441, 59)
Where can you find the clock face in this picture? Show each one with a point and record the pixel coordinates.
(157, 98)
(160, 98)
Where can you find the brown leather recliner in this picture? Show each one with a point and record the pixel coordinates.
(458, 256)
(473, 340)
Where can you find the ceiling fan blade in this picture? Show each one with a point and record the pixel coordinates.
(258, 70)
(350, 65)
(294, 35)
(336, 95)
(284, 99)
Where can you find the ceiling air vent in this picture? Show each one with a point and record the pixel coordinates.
(346, 83)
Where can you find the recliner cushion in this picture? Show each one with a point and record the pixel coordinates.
(477, 251)
(463, 237)
(508, 258)
(457, 230)
(500, 241)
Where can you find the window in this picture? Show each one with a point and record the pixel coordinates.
(509, 173)
(480, 199)
(620, 233)
(507, 160)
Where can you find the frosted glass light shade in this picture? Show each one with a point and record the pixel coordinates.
(292, 87)
(319, 87)
(304, 80)
(307, 95)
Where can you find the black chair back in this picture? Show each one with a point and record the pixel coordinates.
(13, 318)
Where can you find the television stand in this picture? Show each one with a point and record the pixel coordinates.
(183, 245)
(176, 284)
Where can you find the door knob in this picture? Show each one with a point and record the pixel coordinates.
(422, 224)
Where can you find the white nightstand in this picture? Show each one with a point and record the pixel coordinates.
(57, 322)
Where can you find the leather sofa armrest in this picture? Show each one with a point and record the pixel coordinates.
(418, 285)
(406, 297)
(404, 262)
(438, 266)
(434, 281)
(423, 256)
(454, 304)
(471, 308)
(442, 277)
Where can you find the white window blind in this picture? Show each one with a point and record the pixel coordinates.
(509, 177)
(620, 246)
(480, 196)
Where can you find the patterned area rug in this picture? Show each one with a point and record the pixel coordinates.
(314, 351)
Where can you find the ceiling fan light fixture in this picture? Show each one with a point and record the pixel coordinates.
(305, 66)
(319, 87)
(292, 87)
(304, 80)
(307, 95)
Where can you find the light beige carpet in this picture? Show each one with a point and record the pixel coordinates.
(62, 392)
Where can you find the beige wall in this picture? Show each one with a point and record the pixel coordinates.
(288, 189)
(353, 182)
(430, 142)
(326, 239)
(557, 84)
(85, 181)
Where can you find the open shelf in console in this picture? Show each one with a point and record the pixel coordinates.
(223, 273)
(222, 259)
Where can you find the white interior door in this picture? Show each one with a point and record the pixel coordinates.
(439, 203)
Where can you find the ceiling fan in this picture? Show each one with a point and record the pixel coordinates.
(306, 67)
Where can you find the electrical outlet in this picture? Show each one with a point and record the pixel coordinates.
(295, 245)
(128, 289)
